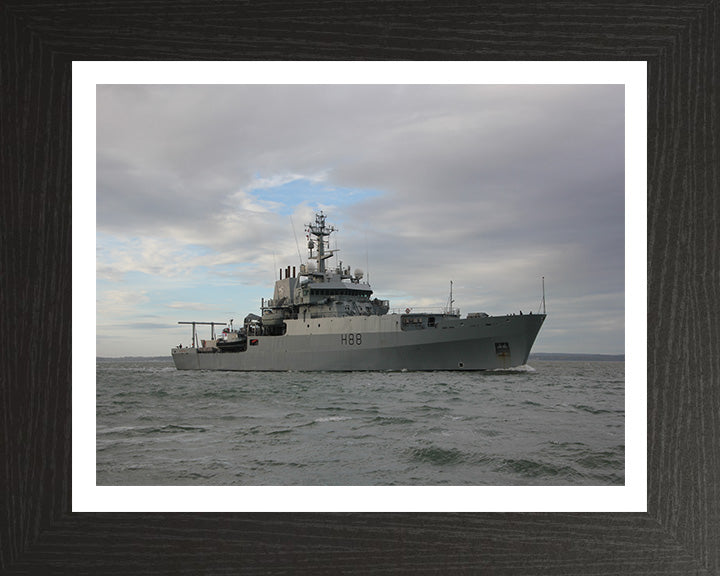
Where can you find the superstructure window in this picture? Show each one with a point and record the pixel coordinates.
(331, 292)
(412, 323)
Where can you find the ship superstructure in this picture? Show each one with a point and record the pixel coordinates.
(325, 318)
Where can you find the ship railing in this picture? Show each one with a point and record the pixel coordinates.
(440, 310)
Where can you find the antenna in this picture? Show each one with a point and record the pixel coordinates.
(451, 298)
(542, 303)
(367, 265)
(320, 231)
(449, 308)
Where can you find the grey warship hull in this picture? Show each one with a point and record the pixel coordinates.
(387, 342)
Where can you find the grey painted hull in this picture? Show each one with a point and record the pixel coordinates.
(379, 343)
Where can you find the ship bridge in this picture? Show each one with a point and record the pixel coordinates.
(319, 290)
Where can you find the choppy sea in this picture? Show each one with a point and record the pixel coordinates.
(551, 423)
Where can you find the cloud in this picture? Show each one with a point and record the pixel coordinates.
(122, 299)
(189, 305)
(489, 186)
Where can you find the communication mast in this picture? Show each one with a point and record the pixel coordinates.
(320, 231)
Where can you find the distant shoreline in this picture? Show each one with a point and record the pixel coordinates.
(555, 356)
(561, 356)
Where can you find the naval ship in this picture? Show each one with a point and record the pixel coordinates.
(325, 318)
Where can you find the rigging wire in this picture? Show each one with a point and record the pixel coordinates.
(297, 244)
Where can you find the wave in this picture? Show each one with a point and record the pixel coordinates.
(388, 420)
(591, 410)
(536, 469)
(131, 431)
(438, 456)
(603, 460)
(332, 419)
(513, 370)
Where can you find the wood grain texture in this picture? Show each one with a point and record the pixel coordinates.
(681, 532)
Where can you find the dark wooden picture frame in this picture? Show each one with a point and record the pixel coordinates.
(680, 533)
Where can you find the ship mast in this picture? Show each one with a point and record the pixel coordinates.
(320, 230)
(449, 308)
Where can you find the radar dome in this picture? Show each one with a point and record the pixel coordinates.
(358, 273)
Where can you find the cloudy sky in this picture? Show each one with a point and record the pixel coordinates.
(201, 191)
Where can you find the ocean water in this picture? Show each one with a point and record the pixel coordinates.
(551, 423)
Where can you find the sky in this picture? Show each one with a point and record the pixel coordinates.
(203, 193)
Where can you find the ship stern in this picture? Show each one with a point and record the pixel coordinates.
(185, 358)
